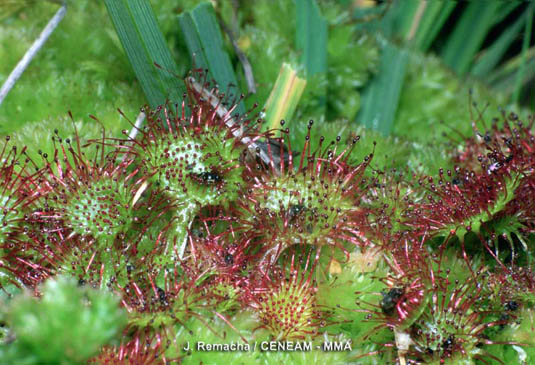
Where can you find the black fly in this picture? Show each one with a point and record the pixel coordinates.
(229, 259)
(447, 345)
(390, 299)
(162, 296)
(208, 177)
(511, 306)
(295, 210)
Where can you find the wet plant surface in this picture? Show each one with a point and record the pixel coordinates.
(149, 220)
(211, 233)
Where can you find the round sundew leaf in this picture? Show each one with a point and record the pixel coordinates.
(301, 207)
(416, 313)
(196, 160)
(199, 167)
(13, 190)
(101, 210)
(95, 265)
(286, 303)
(452, 324)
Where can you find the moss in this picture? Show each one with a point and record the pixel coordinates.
(433, 94)
(82, 68)
(73, 322)
(388, 152)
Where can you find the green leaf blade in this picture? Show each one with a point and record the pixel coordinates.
(434, 17)
(311, 37)
(495, 52)
(469, 34)
(145, 46)
(525, 46)
(284, 96)
(380, 99)
(205, 44)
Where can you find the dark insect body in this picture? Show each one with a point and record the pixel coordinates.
(511, 306)
(208, 178)
(295, 210)
(229, 259)
(390, 299)
(447, 345)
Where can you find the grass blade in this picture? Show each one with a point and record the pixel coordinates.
(495, 52)
(505, 77)
(205, 44)
(418, 21)
(434, 17)
(144, 44)
(525, 45)
(506, 8)
(193, 42)
(284, 96)
(311, 37)
(469, 33)
(405, 14)
(381, 97)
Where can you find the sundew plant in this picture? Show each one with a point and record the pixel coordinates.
(267, 182)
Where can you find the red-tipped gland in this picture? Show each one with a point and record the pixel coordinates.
(158, 302)
(92, 217)
(314, 202)
(286, 305)
(21, 191)
(194, 153)
(452, 326)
